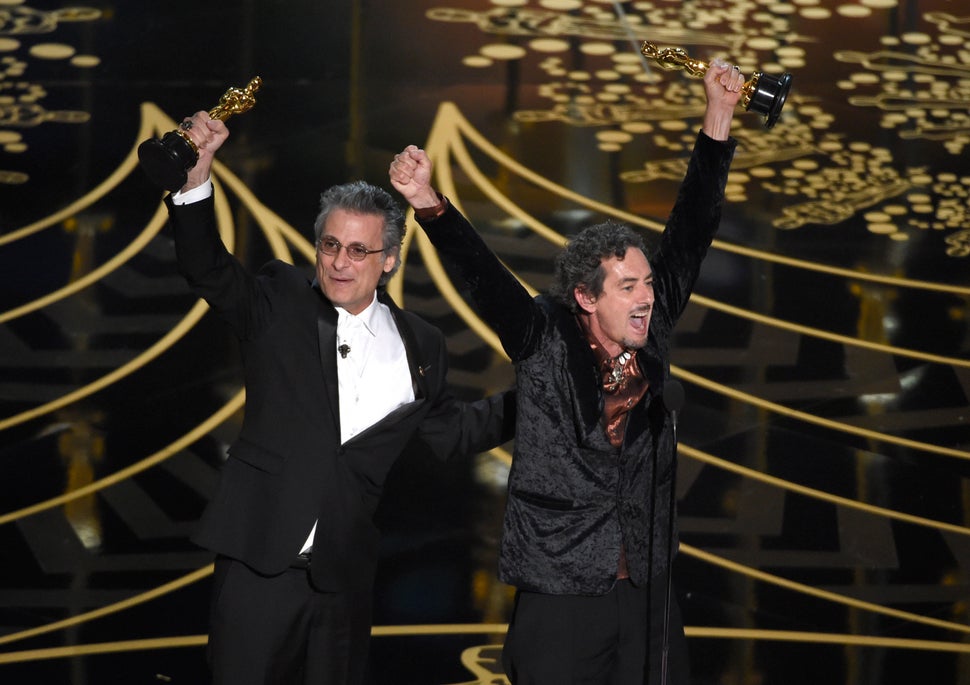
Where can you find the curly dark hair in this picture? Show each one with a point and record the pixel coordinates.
(580, 264)
(363, 198)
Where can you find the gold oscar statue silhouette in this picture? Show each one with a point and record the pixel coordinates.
(166, 161)
(763, 93)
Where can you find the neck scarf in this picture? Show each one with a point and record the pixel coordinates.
(623, 385)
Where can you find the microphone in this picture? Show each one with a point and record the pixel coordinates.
(673, 398)
(344, 350)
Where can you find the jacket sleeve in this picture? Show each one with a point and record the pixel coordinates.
(692, 223)
(212, 272)
(455, 428)
(497, 295)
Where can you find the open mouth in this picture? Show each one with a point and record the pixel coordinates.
(639, 322)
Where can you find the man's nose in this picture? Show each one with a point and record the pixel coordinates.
(341, 260)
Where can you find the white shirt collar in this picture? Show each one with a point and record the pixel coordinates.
(369, 317)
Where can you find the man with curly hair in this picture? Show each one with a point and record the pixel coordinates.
(587, 523)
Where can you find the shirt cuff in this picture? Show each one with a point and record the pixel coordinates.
(195, 195)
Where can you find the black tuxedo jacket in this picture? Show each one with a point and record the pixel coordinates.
(288, 468)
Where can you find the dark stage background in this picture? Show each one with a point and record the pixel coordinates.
(824, 444)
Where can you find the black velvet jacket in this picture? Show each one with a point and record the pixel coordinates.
(573, 498)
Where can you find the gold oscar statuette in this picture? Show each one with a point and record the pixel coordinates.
(763, 93)
(167, 161)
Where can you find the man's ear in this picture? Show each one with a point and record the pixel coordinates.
(390, 259)
(586, 301)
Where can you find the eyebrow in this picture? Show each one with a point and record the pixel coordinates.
(632, 279)
(331, 238)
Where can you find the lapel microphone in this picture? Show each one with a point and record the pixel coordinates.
(344, 350)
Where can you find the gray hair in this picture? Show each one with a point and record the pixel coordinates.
(363, 198)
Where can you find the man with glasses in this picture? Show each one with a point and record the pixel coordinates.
(339, 382)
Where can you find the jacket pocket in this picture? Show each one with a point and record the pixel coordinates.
(256, 456)
(544, 501)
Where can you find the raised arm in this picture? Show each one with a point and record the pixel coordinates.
(696, 214)
(212, 272)
(499, 298)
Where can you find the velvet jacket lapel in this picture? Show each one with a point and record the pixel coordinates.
(583, 376)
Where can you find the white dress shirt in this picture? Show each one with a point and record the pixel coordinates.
(373, 377)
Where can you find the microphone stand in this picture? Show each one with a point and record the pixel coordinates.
(673, 397)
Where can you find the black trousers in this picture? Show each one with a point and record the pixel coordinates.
(594, 640)
(279, 629)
